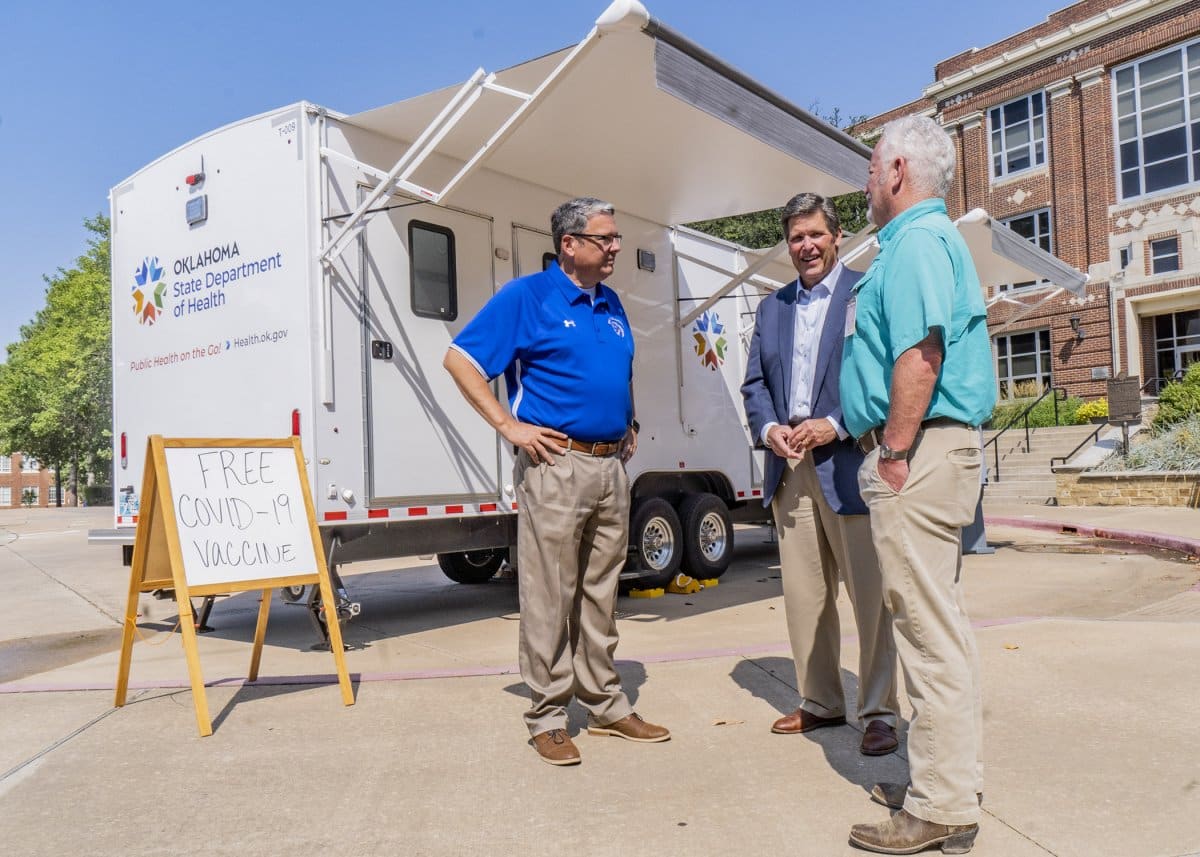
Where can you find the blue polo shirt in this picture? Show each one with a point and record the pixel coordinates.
(567, 361)
(922, 279)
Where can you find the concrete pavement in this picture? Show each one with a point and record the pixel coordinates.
(1091, 688)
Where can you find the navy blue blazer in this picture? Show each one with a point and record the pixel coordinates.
(769, 381)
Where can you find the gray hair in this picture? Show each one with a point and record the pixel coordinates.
(927, 148)
(804, 204)
(573, 215)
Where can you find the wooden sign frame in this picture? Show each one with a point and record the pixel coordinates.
(158, 563)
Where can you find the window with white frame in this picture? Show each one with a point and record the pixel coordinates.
(29, 464)
(5, 496)
(1164, 255)
(5, 464)
(1023, 364)
(1017, 135)
(52, 495)
(1158, 100)
(29, 495)
(1034, 227)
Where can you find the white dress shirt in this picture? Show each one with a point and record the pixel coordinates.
(811, 308)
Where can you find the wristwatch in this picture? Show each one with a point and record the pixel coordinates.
(887, 452)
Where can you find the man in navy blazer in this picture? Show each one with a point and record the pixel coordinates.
(811, 482)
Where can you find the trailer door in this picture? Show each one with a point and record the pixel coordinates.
(533, 250)
(428, 270)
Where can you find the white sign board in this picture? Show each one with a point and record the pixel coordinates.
(240, 513)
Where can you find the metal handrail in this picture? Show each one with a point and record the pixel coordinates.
(1024, 415)
(1159, 383)
(1091, 437)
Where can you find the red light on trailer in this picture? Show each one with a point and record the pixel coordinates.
(124, 452)
(194, 179)
(296, 422)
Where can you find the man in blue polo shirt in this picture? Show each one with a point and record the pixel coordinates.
(565, 346)
(916, 384)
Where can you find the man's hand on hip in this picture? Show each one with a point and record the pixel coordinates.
(628, 445)
(811, 433)
(542, 444)
(779, 440)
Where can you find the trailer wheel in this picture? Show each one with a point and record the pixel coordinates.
(707, 536)
(291, 593)
(657, 536)
(472, 566)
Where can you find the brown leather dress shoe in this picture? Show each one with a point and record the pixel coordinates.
(879, 739)
(804, 721)
(907, 834)
(632, 727)
(556, 747)
(892, 795)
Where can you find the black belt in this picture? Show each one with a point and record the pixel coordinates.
(874, 437)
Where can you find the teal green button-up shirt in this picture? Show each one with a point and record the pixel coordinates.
(923, 279)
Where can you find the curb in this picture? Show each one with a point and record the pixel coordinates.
(1191, 547)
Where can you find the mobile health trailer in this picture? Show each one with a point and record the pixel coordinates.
(303, 272)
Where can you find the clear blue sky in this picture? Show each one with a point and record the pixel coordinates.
(92, 92)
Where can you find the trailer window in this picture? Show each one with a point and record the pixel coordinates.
(432, 271)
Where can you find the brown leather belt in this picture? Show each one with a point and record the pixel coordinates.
(874, 437)
(599, 448)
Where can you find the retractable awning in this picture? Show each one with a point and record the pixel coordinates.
(635, 114)
(1001, 255)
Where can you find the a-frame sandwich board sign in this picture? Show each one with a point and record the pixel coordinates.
(219, 516)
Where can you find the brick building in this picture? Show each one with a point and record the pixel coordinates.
(20, 474)
(1082, 133)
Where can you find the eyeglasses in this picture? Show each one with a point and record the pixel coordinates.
(604, 242)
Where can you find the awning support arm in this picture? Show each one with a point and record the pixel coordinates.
(757, 265)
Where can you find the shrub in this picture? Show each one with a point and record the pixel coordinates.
(1179, 399)
(97, 495)
(1041, 416)
(1093, 409)
(1176, 448)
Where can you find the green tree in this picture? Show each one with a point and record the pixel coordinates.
(56, 388)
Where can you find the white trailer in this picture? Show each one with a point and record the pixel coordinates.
(303, 272)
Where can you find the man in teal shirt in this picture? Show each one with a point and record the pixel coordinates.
(916, 384)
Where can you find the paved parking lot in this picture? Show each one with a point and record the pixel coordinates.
(1090, 674)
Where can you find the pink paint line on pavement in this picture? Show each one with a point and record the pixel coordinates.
(1191, 547)
(421, 675)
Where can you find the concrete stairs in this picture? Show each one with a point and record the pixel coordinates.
(1024, 473)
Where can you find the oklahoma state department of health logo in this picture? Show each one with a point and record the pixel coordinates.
(709, 336)
(148, 291)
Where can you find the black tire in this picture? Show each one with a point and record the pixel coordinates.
(707, 536)
(292, 593)
(472, 567)
(657, 538)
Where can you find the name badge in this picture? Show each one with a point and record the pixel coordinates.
(850, 316)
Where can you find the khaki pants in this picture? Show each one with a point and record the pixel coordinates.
(572, 536)
(917, 537)
(814, 543)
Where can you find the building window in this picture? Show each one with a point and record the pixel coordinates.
(29, 495)
(1023, 364)
(1034, 228)
(1164, 255)
(1176, 342)
(432, 271)
(1158, 100)
(5, 496)
(52, 495)
(5, 464)
(29, 464)
(1018, 135)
